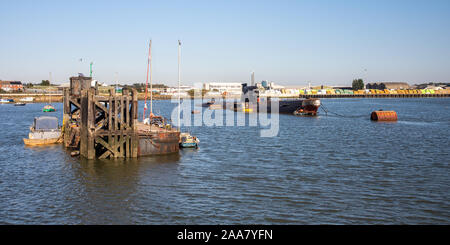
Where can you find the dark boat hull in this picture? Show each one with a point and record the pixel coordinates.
(291, 106)
(285, 106)
(160, 143)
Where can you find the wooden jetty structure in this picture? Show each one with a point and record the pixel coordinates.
(108, 127)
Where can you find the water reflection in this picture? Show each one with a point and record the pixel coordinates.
(327, 169)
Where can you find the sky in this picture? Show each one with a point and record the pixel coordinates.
(288, 42)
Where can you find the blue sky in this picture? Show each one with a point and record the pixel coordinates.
(290, 42)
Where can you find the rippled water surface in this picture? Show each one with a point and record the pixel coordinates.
(324, 170)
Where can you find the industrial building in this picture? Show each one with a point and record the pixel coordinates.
(387, 85)
(223, 87)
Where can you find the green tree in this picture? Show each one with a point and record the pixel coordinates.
(45, 83)
(358, 84)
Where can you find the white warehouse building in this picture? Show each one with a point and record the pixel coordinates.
(224, 87)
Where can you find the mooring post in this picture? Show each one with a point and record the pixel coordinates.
(134, 121)
(122, 136)
(91, 124)
(83, 126)
(125, 120)
(66, 117)
(116, 126)
(112, 93)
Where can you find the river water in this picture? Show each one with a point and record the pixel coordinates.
(323, 170)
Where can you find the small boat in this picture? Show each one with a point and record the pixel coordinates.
(34, 142)
(215, 107)
(188, 141)
(27, 99)
(209, 103)
(44, 131)
(6, 100)
(19, 104)
(48, 108)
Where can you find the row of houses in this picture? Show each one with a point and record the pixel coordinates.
(11, 86)
(399, 85)
(272, 89)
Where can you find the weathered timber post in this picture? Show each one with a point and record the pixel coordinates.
(66, 117)
(112, 94)
(87, 143)
(134, 121)
(126, 121)
(84, 123)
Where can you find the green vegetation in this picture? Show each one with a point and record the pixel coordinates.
(192, 92)
(358, 84)
(140, 87)
(45, 83)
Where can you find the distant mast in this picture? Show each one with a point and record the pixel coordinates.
(179, 82)
(151, 83)
(146, 82)
(50, 83)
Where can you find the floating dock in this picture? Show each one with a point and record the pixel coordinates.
(107, 126)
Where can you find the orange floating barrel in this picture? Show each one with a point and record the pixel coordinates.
(384, 116)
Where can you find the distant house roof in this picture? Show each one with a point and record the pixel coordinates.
(11, 82)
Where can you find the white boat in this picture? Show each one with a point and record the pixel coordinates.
(45, 130)
(6, 100)
(27, 99)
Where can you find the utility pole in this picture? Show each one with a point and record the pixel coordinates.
(179, 82)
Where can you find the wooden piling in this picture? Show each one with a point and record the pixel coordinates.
(106, 125)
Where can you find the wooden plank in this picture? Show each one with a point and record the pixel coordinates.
(110, 139)
(66, 117)
(122, 140)
(116, 125)
(83, 126)
(122, 126)
(127, 122)
(105, 155)
(103, 132)
(100, 125)
(91, 124)
(66, 101)
(104, 144)
(134, 116)
(102, 107)
(75, 103)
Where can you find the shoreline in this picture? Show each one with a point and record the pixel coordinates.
(40, 98)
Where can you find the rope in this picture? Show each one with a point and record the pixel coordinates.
(325, 109)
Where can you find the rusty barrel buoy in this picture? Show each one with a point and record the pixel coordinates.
(384, 116)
